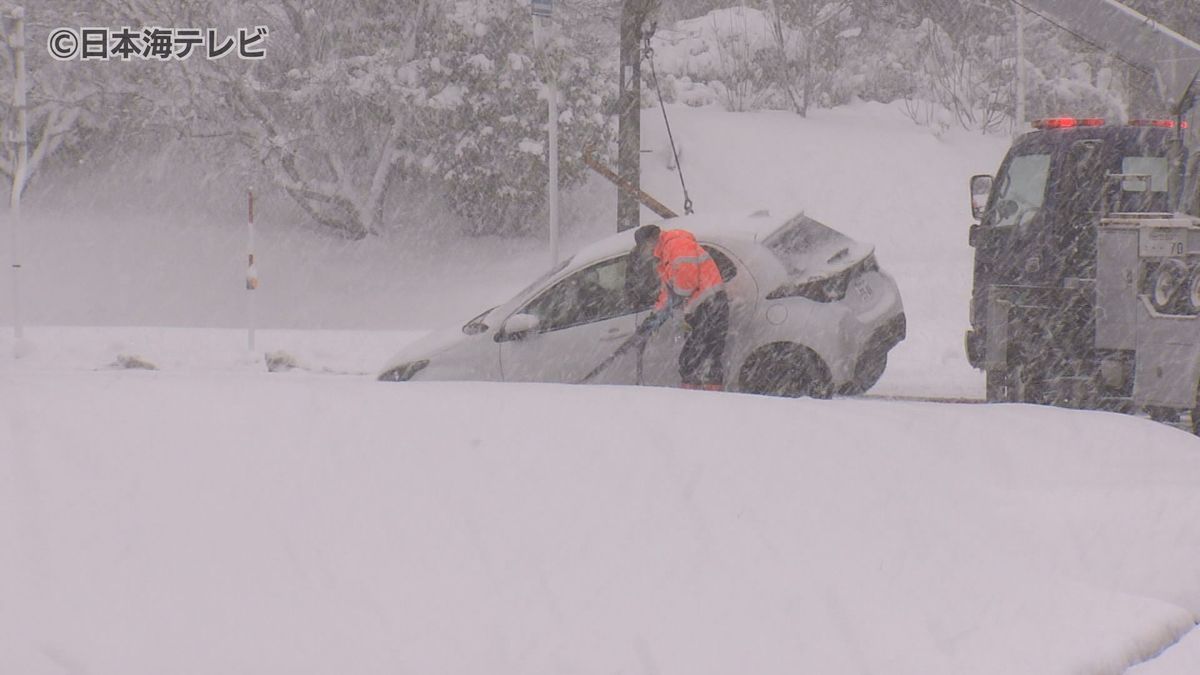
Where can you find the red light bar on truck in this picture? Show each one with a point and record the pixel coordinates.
(1162, 124)
(1067, 122)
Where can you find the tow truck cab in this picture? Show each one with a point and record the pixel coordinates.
(1035, 246)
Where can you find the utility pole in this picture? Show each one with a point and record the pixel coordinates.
(543, 26)
(16, 41)
(251, 275)
(634, 14)
(1019, 122)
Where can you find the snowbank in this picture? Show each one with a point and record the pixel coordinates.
(178, 521)
(1179, 659)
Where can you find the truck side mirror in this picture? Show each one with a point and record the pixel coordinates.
(981, 187)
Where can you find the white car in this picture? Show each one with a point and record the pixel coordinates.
(811, 313)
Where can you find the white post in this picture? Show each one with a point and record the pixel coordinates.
(552, 92)
(251, 276)
(1019, 122)
(17, 42)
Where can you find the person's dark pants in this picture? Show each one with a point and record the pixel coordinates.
(700, 362)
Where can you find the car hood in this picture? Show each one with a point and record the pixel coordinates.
(432, 344)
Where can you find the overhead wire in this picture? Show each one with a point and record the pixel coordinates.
(1050, 20)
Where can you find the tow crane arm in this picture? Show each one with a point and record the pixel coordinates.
(622, 184)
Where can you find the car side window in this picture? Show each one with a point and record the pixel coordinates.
(641, 282)
(592, 294)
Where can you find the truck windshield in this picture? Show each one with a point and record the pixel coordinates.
(1020, 190)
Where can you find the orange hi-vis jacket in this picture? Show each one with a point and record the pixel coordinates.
(686, 270)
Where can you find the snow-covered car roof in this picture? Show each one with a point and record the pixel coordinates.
(710, 227)
(740, 232)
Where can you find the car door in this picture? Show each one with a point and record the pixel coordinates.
(660, 361)
(582, 319)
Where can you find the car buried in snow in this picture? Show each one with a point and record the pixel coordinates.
(811, 314)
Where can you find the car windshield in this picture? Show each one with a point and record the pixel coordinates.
(537, 283)
(478, 324)
(1020, 189)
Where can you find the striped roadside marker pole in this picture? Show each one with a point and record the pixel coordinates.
(251, 275)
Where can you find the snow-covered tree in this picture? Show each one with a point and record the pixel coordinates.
(957, 82)
(358, 98)
(808, 37)
(1181, 17)
(63, 101)
(321, 114)
(480, 96)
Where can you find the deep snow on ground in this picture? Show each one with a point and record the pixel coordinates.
(212, 517)
(1179, 659)
(215, 518)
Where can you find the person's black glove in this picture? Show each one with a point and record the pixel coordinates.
(651, 323)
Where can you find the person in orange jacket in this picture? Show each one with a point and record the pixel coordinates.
(689, 280)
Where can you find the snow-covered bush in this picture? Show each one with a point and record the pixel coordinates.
(720, 56)
(808, 62)
(957, 83)
(1068, 77)
(482, 104)
(791, 57)
(740, 37)
(968, 69)
(952, 63)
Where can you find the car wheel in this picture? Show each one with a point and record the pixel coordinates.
(1193, 292)
(1164, 415)
(1016, 384)
(1027, 385)
(997, 386)
(1167, 286)
(785, 369)
(867, 372)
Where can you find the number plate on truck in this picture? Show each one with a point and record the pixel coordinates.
(1155, 242)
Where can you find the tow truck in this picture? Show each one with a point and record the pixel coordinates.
(1087, 246)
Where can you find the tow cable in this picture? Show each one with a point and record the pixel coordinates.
(648, 54)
